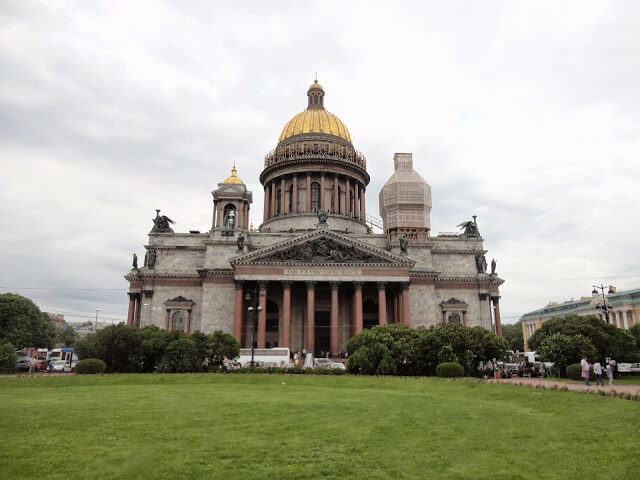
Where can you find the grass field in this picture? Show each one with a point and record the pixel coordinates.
(256, 426)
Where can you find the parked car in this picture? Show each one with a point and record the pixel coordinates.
(322, 363)
(57, 365)
(72, 368)
(338, 365)
(22, 364)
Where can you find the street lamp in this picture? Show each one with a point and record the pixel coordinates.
(604, 307)
(251, 310)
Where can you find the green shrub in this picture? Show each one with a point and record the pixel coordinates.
(450, 370)
(181, 356)
(8, 358)
(574, 372)
(90, 366)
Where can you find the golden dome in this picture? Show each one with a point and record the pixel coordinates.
(233, 178)
(315, 119)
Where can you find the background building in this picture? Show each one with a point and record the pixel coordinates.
(314, 274)
(624, 310)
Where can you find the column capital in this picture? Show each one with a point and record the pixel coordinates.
(405, 285)
(382, 285)
(334, 285)
(287, 284)
(238, 284)
(263, 284)
(311, 284)
(358, 285)
(495, 298)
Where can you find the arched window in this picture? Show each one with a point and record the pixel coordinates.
(454, 318)
(178, 321)
(229, 216)
(315, 196)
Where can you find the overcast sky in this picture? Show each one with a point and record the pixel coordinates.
(523, 113)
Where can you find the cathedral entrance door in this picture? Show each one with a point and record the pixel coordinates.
(322, 333)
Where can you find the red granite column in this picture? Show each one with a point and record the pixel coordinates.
(246, 215)
(294, 202)
(311, 315)
(322, 206)
(283, 206)
(356, 200)
(273, 199)
(336, 192)
(496, 312)
(308, 192)
(265, 212)
(286, 314)
(406, 314)
(334, 318)
(237, 312)
(347, 197)
(363, 212)
(136, 321)
(382, 303)
(132, 307)
(262, 315)
(358, 306)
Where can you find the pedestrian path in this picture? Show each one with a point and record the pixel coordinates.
(574, 387)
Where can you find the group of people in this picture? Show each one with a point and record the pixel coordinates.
(597, 371)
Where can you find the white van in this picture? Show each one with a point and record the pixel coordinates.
(265, 357)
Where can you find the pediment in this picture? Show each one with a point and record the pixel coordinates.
(323, 247)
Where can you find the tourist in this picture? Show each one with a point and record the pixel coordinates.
(610, 372)
(33, 361)
(597, 370)
(585, 371)
(225, 364)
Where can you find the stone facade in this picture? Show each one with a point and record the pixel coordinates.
(313, 274)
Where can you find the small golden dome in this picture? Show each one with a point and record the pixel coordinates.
(316, 86)
(233, 178)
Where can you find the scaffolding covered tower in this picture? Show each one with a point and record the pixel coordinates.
(405, 201)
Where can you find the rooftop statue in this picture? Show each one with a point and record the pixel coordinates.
(404, 243)
(135, 261)
(493, 266)
(322, 216)
(240, 242)
(161, 223)
(470, 228)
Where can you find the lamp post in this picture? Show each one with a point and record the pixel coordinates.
(604, 307)
(253, 337)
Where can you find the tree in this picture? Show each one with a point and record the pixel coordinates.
(635, 331)
(181, 356)
(513, 334)
(384, 349)
(609, 340)
(153, 343)
(8, 358)
(222, 345)
(118, 346)
(23, 324)
(67, 336)
(564, 350)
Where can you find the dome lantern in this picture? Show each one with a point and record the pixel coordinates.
(316, 95)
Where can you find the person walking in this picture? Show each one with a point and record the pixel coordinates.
(33, 361)
(225, 364)
(597, 370)
(610, 373)
(585, 371)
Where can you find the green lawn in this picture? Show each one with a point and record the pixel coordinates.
(256, 426)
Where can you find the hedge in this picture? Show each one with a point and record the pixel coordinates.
(449, 370)
(574, 372)
(90, 366)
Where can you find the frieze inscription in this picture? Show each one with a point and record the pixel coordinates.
(323, 271)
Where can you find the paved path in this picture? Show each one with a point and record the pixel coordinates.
(575, 387)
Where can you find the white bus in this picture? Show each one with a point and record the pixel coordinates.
(265, 357)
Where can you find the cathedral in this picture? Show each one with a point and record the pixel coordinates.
(314, 273)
